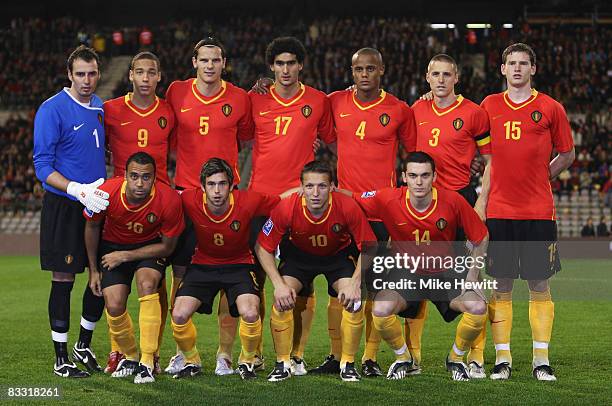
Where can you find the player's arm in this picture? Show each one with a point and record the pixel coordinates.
(481, 203)
(284, 296)
(407, 132)
(92, 240)
(161, 249)
(562, 161)
(562, 140)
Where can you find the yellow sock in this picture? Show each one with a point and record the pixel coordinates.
(390, 330)
(149, 322)
(249, 339)
(163, 303)
(413, 330)
(122, 329)
(281, 324)
(476, 353)
(372, 339)
(303, 313)
(334, 320)
(262, 315)
(227, 329)
(185, 336)
(351, 329)
(176, 282)
(500, 315)
(467, 330)
(113, 342)
(541, 317)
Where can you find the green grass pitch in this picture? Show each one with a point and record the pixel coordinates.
(581, 353)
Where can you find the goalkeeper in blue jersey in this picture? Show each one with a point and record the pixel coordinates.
(69, 161)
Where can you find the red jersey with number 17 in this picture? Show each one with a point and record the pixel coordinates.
(160, 214)
(285, 130)
(368, 135)
(207, 127)
(130, 129)
(522, 140)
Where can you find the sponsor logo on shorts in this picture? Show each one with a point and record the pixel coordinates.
(68, 259)
(366, 195)
(267, 227)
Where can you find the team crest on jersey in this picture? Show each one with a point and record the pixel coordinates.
(68, 259)
(536, 116)
(267, 227)
(226, 109)
(441, 224)
(151, 218)
(163, 122)
(336, 228)
(100, 118)
(457, 124)
(366, 195)
(306, 111)
(384, 119)
(235, 226)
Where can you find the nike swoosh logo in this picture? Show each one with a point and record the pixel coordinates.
(263, 113)
(126, 123)
(423, 122)
(280, 331)
(496, 117)
(342, 115)
(76, 127)
(184, 110)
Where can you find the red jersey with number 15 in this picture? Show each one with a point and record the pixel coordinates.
(160, 214)
(522, 140)
(130, 129)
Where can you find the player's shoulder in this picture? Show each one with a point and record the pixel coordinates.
(339, 95)
(114, 104)
(421, 104)
(548, 101)
(180, 85)
(235, 90)
(313, 93)
(449, 197)
(113, 184)
(188, 195)
(390, 98)
(57, 101)
(492, 99)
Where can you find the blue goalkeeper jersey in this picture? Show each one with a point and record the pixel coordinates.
(69, 139)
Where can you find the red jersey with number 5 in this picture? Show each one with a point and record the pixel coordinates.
(130, 129)
(523, 137)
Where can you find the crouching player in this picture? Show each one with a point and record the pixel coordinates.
(222, 261)
(325, 230)
(141, 226)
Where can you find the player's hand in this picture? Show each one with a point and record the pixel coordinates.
(316, 145)
(284, 297)
(95, 282)
(113, 259)
(350, 295)
(427, 96)
(89, 195)
(262, 86)
(476, 167)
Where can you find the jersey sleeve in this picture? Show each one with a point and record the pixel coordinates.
(173, 222)
(369, 202)
(326, 129)
(246, 125)
(47, 132)
(474, 228)
(275, 227)
(560, 129)
(407, 130)
(172, 141)
(358, 224)
(481, 130)
(264, 203)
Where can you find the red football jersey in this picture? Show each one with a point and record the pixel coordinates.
(342, 223)
(285, 130)
(451, 136)
(522, 140)
(207, 127)
(130, 130)
(224, 240)
(162, 213)
(368, 136)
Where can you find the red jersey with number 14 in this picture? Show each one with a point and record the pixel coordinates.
(160, 214)
(130, 129)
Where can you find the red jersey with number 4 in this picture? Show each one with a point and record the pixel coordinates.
(342, 222)
(368, 135)
(285, 130)
(224, 239)
(130, 129)
(207, 127)
(523, 137)
(160, 214)
(451, 136)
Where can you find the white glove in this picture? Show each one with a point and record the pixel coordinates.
(89, 195)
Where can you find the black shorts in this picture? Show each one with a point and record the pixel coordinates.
(185, 246)
(124, 273)
(470, 196)
(203, 282)
(306, 268)
(380, 231)
(525, 249)
(62, 235)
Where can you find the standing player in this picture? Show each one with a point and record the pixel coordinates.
(69, 161)
(212, 115)
(222, 261)
(141, 227)
(140, 121)
(325, 229)
(450, 128)
(426, 214)
(526, 126)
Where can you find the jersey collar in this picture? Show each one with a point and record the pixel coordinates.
(135, 209)
(292, 100)
(142, 113)
(515, 106)
(442, 111)
(223, 217)
(204, 99)
(422, 215)
(368, 105)
(309, 216)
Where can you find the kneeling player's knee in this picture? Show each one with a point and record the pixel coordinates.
(179, 316)
(250, 315)
(115, 309)
(477, 307)
(382, 309)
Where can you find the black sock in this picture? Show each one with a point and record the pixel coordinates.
(59, 318)
(93, 306)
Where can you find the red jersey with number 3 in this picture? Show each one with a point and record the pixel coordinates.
(130, 129)
(523, 137)
(285, 130)
(224, 239)
(160, 214)
(342, 222)
(207, 127)
(368, 135)
(451, 136)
